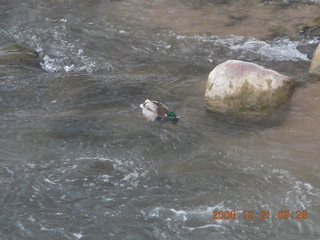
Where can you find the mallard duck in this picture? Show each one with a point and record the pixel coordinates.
(156, 111)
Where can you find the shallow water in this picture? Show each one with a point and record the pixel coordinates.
(78, 161)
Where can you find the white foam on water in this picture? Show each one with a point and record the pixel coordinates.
(189, 219)
(51, 64)
(60, 63)
(173, 214)
(58, 49)
(203, 227)
(300, 194)
(105, 178)
(77, 235)
(180, 214)
(277, 50)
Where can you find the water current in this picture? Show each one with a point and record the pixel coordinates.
(78, 161)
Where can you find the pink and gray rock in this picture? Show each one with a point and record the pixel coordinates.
(315, 63)
(237, 86)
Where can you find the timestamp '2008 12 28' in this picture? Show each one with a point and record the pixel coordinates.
(250, 214)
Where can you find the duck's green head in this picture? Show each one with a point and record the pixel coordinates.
(172, 117)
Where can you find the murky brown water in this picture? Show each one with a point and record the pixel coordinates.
(78, 161)
(258, 19)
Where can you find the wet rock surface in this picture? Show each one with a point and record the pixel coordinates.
(17, 59)
(238, 86)
(315, 63)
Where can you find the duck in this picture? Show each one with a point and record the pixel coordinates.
(156, 111)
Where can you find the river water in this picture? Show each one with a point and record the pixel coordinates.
(78, 161)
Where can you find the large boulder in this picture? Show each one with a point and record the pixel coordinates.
(315, 63)
(237, 86)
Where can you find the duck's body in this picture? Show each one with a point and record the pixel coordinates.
(156, 111)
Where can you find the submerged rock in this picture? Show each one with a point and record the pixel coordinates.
(315, 63)
(237, 87)
(14, 55)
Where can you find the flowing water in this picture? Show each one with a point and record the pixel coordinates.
(78, 161)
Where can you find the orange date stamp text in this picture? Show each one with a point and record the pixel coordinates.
(250, 214)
